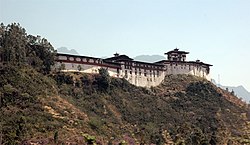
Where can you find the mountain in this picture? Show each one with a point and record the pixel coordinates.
(240, 91)
(149, 58)
(66, 50)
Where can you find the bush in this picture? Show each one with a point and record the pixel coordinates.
(91, 140)
(103, 81)
(95, 123)
(62, 78)
(56, 137)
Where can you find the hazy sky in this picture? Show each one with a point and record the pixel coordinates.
(214, 31)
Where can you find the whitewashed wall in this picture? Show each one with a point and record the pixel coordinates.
(196, 70)
(85, 68)
(141, 80)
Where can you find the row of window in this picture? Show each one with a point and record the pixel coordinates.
(85, 60)
(179, 64)
(128, 65)
(145, 73)
(153, 67)
(181, 68)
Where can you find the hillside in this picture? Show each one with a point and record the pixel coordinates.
(61, 108)
(40, 106)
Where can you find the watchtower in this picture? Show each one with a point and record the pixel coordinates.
(176, 55)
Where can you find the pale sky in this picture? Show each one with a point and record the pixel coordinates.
(214, 31)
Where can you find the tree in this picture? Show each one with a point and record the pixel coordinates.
(18, 49)
(227, 89)
(79, 67)
(56, 137)
(45, 52)
(232, 92)
(103, 80)
(62, 67)
(13, 43)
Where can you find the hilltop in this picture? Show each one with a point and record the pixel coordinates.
(42, 106)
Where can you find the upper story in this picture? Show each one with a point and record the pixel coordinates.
(79, 59)
(128, 63)
(176, 55)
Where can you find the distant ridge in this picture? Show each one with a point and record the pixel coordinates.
(149, 58)
(240, 91)
(66, 50)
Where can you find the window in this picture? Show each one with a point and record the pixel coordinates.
(126, 73)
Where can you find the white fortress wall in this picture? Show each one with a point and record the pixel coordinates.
(177, 68)
(85, 68)
(143, 77)
(192, 69)
(145, 81)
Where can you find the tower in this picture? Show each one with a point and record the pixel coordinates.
(176, 55)
(116, 54)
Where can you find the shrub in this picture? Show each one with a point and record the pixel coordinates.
(91, 140)
(95, 123)
(56, 137)
(103, 81)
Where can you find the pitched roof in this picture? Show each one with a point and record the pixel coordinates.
(176, 50)
(120, 57)
(183, 62)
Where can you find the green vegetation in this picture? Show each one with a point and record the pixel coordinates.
(19, 49)
(90, 140)
(38, 105)
(191, 109)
